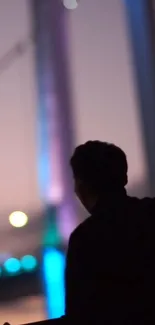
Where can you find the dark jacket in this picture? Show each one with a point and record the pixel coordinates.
(110, 272)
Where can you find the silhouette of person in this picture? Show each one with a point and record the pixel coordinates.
(110, 266)
(110, 273)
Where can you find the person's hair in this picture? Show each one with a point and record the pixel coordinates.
(101, 165)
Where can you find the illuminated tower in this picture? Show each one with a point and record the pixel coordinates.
(55, 142)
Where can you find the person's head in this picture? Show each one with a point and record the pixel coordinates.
(98, 168)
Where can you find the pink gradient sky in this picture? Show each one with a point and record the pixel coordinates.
(103, 90)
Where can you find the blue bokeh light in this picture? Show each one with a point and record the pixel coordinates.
(28, 263)
(54, 266)
(12, 265)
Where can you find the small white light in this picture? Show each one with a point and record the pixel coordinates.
(70, 4)
(18, 219)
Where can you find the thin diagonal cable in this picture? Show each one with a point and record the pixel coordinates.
(17, 51)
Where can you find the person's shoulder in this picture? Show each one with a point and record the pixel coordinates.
(143, 206)
(146, 202)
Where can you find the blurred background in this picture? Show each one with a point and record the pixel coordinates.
(70, 71)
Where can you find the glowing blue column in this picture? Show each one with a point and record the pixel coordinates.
(54, 266)
(55, 145)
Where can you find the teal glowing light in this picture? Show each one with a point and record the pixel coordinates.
(12, 265)
(54, 266)
(28, 263)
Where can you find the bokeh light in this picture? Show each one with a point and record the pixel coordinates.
(54, 268)
(70, 4)
(12, 265)
(18, 219)
(28, 263)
